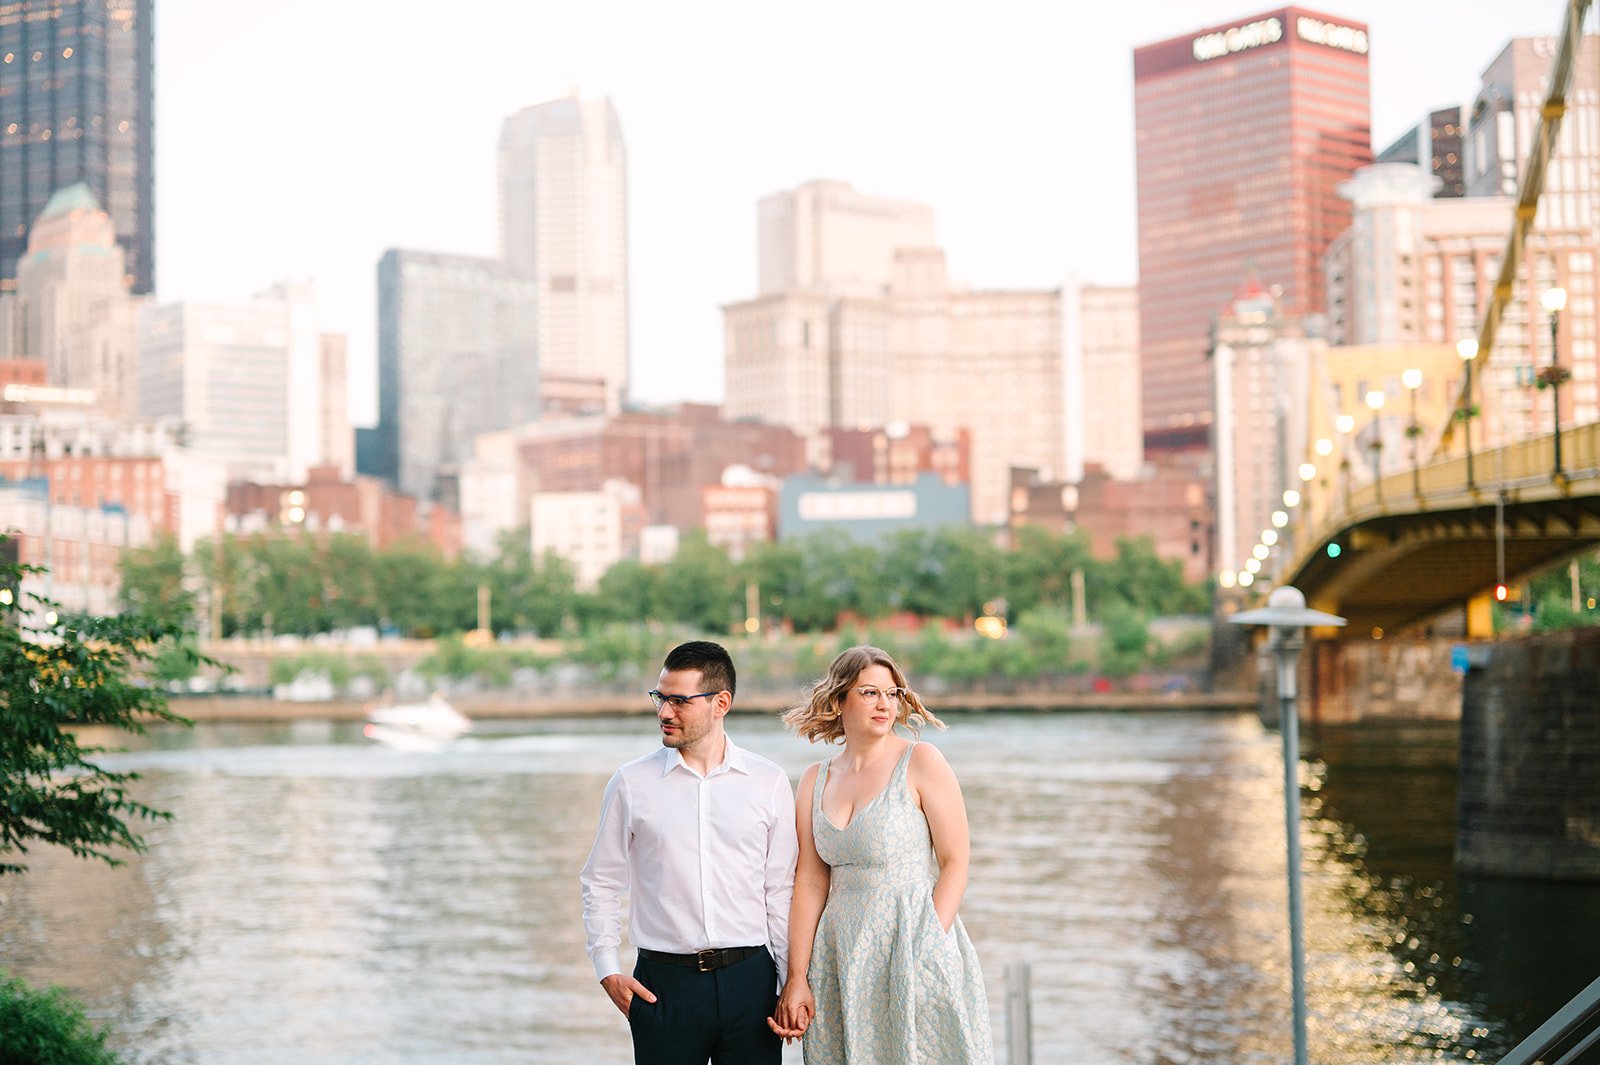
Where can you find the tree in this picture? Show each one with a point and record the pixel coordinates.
(153, 582)
(56, 673)
(47, 1028)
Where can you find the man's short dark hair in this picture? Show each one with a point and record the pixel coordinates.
(711, 659)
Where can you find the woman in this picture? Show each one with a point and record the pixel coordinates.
(881, 972)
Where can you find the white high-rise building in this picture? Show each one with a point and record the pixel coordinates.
(1103, 425)
(564, 223)
(825, 236)
(249, 381)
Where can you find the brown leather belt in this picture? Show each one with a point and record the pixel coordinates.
(704, 961)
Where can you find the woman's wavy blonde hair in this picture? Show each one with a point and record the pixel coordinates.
(820, 717)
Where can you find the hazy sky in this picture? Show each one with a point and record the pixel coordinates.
(307, 139)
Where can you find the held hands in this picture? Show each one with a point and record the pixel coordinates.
(796, 1007)
(622, 989)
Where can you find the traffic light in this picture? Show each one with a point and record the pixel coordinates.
(1334, 550)
(1500, 593)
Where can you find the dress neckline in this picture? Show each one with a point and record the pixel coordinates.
(855, 815)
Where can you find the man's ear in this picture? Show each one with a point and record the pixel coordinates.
(723, 702)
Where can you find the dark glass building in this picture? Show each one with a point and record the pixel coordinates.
(1434, 145)
(77, 103)
(1243, 131)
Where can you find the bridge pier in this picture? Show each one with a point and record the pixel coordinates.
(1480, 617)
(1528, 804)
(1346, 681)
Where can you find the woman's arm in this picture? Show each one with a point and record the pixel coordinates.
(796, 1006)
(934, 784)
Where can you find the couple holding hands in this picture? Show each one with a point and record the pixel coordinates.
(851, 893)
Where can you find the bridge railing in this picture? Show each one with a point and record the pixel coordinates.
(1443, 485)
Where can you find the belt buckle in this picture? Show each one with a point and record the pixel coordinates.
(705, 961)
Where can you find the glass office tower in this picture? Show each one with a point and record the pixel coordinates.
(1243, 132)
(77, 105)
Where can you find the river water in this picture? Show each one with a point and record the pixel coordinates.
(318, 899)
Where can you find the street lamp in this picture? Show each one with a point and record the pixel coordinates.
(1343, 425)
(1412, 379)
(1467, 348)
(1287, 613)
(1555, 301)
(1375, 400)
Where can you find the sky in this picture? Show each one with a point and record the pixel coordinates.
(305, 141)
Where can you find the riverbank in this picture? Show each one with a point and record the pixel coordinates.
(510, 705)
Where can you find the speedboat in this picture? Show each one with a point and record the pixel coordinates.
(416, 726)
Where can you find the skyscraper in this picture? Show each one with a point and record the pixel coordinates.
(564, 223)
(250, 381)
(1243, 132)
(77, 104)
(456, 358)
(73, 304)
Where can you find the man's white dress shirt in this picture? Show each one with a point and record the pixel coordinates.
(708, 862)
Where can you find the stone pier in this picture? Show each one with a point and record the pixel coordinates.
(1528, 804)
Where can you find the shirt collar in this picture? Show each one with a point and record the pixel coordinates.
(733, 760)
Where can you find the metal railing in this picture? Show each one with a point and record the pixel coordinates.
(1565, 1038)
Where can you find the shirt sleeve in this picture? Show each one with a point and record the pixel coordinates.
(604, 879)
(783, 852)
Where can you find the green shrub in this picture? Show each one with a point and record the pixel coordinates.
(47, 1028)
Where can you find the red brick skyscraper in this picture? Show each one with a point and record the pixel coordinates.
(1243, 131)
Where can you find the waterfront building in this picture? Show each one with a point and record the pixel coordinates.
(77, 104)
(808, 503)
(563, 202)
(1169, 504)
(670, 455)
(457, 356)
(741, 511)
(326, 501)
(493, 492)
(898, 454)
(80, 546)
(1243, 131)
(1416, 269)
(71, 306)
(53, 439)
(592, 530)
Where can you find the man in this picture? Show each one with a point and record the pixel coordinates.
(701, 835)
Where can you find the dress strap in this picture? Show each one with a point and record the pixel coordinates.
(903, 766)
(817, 786)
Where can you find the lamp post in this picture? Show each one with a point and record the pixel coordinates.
(1412, 379)
(1344, 424)
(1375, 400)
(1287, 613)
(1467, 348)
(1555, 301)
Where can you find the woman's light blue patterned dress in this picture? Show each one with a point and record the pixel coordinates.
(892, 986)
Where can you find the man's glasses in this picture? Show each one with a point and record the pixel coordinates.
(894, 695)
(678, 701)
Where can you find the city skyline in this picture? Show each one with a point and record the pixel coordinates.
(1025, 195)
